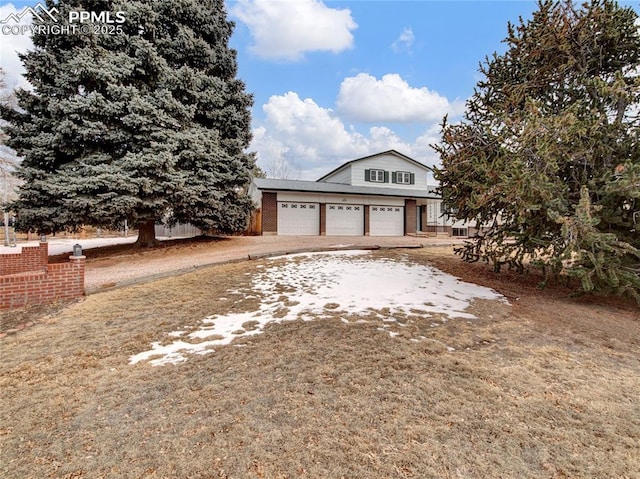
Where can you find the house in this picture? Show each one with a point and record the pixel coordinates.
(385, 194)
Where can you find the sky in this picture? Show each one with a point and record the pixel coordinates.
(338, 80)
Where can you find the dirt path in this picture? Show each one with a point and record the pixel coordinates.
(114, 270)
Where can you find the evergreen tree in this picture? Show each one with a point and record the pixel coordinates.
(146, 124)
(547, 157)
(8, 162)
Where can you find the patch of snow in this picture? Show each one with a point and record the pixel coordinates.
(65, 245)
(391, 333)
(320, 253)
(170, 354)
(351, 280)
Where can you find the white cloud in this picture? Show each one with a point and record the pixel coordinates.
(300, 132)
(286, 30)
(10, 45)
(391, 99)
(404, 41)
(382, 138)
(301, 135)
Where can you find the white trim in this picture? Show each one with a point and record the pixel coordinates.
(379, 176)
(339, 198)
(401, 176)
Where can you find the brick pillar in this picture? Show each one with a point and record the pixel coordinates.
(269, 213)
(78, 265)
(44, 254)
(410, 219)
(366, 220)
(323, 219)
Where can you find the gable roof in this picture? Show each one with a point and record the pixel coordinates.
(326, 187)
(388, 152)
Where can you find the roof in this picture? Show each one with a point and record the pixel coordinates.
(388, 152)
(325, 187)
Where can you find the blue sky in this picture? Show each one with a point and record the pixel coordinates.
(400, 67)
(337, 80)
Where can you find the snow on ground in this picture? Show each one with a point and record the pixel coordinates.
(319, 285)
(65, 245)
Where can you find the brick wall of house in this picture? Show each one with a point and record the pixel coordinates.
(30, 280)
(269, 213)
(440, 230)
(410, 217)
(323, 219)
(367, 220)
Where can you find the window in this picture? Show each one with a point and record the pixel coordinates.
(403, 177)
(377, 176)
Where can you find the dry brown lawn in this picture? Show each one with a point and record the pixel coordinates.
(545, 388)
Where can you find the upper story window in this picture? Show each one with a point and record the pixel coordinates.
(403, 178)
(377, 176)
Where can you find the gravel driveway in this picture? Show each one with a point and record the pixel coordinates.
(105, 273)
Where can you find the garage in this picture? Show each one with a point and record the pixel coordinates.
(296, 218)
(345, 220)
(386, 221)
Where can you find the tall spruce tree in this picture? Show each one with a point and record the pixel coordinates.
(548, 157)
(147, 124)
(8, 163)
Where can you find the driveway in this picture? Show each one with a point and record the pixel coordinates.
(106, 273)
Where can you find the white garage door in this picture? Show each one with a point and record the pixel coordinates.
(298, 218)
(386, 221)
(345, 220)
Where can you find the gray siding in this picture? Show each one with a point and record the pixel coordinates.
(342, 176)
